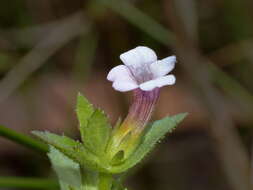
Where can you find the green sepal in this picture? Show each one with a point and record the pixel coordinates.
(117, 125)
(152, 136)
(117, 159)
(84, 111)
(94, 126)
(67, 170)
(97, 132)
(73, 149)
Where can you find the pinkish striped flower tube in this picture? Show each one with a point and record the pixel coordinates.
(143, 74)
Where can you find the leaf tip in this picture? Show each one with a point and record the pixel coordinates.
(37, 133)
(181, 116)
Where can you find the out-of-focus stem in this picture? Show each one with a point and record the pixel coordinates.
(22, 139)
(27, 183)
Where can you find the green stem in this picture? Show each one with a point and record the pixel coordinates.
(105, 181)
(22, 139)
(28, 183)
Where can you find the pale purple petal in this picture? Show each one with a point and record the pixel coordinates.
(124, 86)
(163, 67)
(119, 72)
(138, 56)
(158, 83)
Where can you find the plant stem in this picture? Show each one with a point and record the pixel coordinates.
(28, 183)
(105, 181)
(22, 139)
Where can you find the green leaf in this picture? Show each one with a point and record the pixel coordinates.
(152, 136)
(66, 169)
(84, 112)
(73, 149)
(97, 132)
(94, 126)
(60, 142)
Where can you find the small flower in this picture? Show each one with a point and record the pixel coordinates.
(142, 70)
(145, 75)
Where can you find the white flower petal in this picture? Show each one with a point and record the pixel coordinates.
(158, 83)
(147, 54)
(141, 67)
(163, 67)
(122, 79)
(124, 86)
(118, 72)
(138, 56)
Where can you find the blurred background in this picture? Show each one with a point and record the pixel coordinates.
(52, 49)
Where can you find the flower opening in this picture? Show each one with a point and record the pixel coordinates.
(142, 70)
